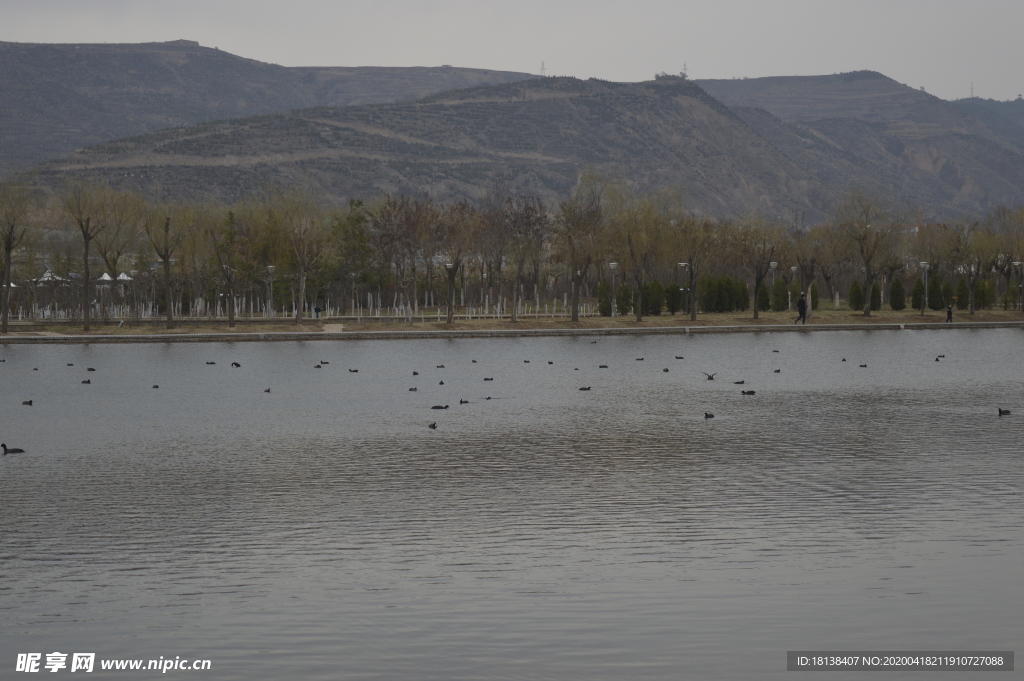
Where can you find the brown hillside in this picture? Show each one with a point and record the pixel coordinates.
(865, 129)
(1004, 119)
(55, 99)
(535, 135)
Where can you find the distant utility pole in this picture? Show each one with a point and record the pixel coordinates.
(972, 89)
(543, 71)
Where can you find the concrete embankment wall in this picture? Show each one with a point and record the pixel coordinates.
(494, 333)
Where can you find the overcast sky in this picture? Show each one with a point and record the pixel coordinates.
(942, 45)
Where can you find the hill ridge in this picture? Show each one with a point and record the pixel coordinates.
(785, 146)
(62, 97)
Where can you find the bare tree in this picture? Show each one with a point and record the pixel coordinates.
(385, 221)
(757, 244)
(830, 253)
(223, 236)
(492, 242)
(88, 206)
(579, 223)
(638, 226)
(166, 227)
(126, 214)
(415, 216)
(352, 243)
(698, 239)
(974, 250)
(528, 229)
(308, 233)
(1008, 225)
(802, 248)
(15, 205)
(455, 230)
(197, 257)
(871, 231)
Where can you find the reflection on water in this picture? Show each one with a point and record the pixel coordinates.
(323, 531)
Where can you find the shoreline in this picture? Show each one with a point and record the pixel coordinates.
(341, 335)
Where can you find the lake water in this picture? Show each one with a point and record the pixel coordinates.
(323, 531)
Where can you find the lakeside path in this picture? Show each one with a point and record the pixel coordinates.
(396, 329)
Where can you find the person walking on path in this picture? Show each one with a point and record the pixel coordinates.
(949, 313)
(801, 307)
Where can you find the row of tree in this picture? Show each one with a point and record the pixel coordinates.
(940, 293)
(502, 255)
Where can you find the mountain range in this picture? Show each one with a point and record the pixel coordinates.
(55, 99)
(787, 147)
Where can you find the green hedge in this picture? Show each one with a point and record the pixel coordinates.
(723, 294)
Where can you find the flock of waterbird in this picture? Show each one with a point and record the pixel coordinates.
(710, 377)
(433, 425)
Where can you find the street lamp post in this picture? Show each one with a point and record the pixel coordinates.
(451, 294)
(576, 292)
(789, 293)
(135, 300)
(613, 266)
(355, 303)
(270, 276)
(924, 268)
(867, 293)
(686, 297)
(1020, 283)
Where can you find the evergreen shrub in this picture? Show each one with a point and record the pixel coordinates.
(604, 298)
(897, 298)
(935, 297)
(984, 294)
(963, 294)
(723, 294)
(856, 296)
(654, 297)
(623, 299)
(917, 294)
(673, 298)
(780, 296)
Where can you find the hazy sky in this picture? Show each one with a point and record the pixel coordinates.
(942, 45)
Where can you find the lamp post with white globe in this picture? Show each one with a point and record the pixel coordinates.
(270, 281)
(614, 266)
(924, 304)
(1019, 266)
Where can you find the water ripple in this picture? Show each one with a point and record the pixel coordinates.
(322, 530)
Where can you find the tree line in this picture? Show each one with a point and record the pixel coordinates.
(92, 250)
